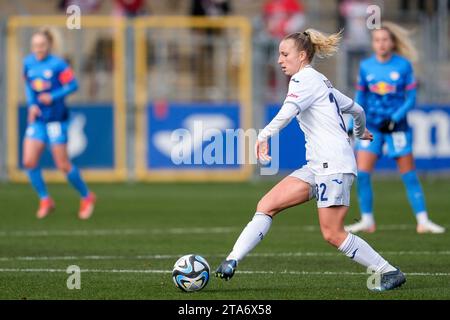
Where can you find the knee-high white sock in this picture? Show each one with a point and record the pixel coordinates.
(252, 234)
(360, 251)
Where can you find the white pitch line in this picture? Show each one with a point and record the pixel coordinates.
(157, 231)
(175, 256)
(325, 273)
(119, 232)
(85, 270)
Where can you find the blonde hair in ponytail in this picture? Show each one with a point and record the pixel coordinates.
(314, 42)
(403, 45)
(324, 45)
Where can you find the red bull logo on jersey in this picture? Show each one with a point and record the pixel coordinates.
(48, 74)
(382, 88)
(40, 85)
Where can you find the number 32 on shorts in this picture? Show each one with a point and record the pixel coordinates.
(321, 190)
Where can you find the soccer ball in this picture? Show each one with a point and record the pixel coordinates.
(191, 273)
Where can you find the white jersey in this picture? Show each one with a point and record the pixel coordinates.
(318, 108)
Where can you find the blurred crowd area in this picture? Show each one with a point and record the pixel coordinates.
(204, 64)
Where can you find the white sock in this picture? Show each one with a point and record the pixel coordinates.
(422, 217)
(252, 234)
(367, 218)
(360, 251)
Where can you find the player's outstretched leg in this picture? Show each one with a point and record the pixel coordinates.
(252, 234)
(226, 269)
(390, 280)
(289, 192)
(87, 205)
(46, 203)
(331, 224)
(73, 175)
(32, 150)
(46, 206)
(361, 252)
(88, 198)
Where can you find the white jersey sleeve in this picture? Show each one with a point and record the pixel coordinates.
(349, 106)
(287, 112)
(342, 100)
(299, 98)
(301, 92)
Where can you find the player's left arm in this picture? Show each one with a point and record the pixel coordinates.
(361, 87)
(410, 96)
(287, 112)
(348, 106)
(69, 83)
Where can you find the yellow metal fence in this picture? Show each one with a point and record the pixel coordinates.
(237, 84)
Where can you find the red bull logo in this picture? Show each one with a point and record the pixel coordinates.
(40, 85)
(382, 88)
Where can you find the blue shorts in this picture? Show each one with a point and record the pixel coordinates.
(49, 133)
(398, 143)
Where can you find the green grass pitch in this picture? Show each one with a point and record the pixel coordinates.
(127, 249)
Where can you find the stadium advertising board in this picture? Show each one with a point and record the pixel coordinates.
(431, 140)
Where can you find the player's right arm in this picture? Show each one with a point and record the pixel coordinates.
(299, 98)
(287, 112)
(29, 92)
(31, 97)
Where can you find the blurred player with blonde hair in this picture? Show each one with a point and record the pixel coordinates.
(48, 81)
(386, 89)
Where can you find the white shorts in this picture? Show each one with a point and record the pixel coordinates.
(329, 190)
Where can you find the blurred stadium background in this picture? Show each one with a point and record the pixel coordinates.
(153, 67)
(147, 69)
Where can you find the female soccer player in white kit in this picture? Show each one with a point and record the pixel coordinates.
(331, 165)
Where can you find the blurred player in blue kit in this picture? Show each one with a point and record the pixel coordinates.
(386, 89)
(48, 81)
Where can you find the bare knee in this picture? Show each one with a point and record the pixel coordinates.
(333, 237)
(266, 207)
(29, 163)
(64, 166)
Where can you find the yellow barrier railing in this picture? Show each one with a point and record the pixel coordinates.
(141, 26)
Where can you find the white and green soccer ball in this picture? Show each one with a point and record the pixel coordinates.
(191, 273)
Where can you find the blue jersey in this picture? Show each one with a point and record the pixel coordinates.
(51, 75)
(386, 91)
